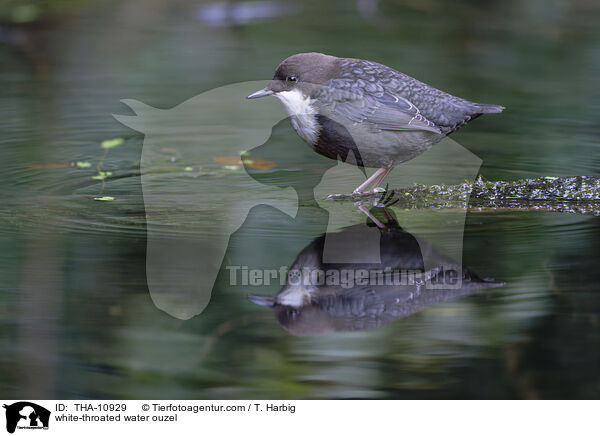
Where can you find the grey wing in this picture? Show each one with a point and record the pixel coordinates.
(380, 109)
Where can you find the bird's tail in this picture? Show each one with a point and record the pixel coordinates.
(488, 108)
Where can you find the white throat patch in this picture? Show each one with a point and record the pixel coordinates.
(302, 114)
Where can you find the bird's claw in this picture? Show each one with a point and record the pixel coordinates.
(338, 196)
(384, 197)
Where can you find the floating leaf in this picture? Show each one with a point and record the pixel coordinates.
(257, 163)
(110, 143)
(228, 160)
(83, 164)
(49, 165)
(102, 175)
(104, 198)
(232, 167)
(188, 169)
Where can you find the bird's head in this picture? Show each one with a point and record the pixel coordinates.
(298, 74)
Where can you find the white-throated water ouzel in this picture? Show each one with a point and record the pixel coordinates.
(384, 117)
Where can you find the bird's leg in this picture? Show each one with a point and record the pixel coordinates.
(379, 180)
(375, 180)
(370, 180)
(364, 210)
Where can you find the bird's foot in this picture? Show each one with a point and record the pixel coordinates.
(378, 197)
(377, 190)
(356, 194)
(370, 192)
(340, 196)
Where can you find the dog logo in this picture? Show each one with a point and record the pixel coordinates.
(26, 415)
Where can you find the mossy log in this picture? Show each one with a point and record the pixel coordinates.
(580, 194)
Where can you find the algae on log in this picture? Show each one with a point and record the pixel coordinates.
(580, 194)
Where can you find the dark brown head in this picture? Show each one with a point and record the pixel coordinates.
(300, 70)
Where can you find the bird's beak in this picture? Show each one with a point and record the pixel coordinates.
(262, 93)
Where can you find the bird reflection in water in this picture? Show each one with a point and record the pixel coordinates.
(360, 296)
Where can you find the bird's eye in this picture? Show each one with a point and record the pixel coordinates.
(292, 79)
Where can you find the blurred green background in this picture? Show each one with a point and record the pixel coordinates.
(76, 317)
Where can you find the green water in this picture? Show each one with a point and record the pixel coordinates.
(77, 320)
